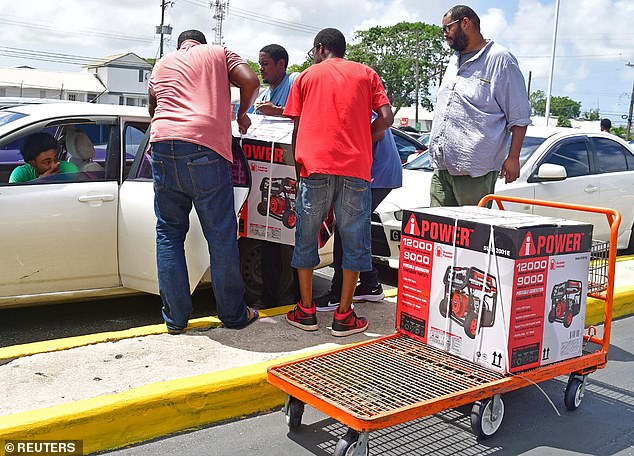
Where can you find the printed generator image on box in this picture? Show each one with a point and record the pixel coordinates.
(269, 213)
(506, 290)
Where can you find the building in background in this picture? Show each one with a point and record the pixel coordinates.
(120, 79)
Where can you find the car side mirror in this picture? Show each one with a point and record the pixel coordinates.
(551, 172)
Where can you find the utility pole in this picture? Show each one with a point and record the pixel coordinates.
(163, 29)
(220, 9)
(417, 76)
(628, 130)
(552, 63)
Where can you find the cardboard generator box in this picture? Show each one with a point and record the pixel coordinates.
(503, 289)
(269, 213)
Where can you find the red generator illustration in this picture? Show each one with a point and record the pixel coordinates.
(464, 287)
(282, 202)
(566, 302)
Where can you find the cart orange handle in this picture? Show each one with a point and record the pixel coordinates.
(614, 220)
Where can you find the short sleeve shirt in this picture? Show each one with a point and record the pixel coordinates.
(26, 173)
(193, 96)
(334, 100)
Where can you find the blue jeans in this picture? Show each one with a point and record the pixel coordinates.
(186, 173)
(351, 200)
(367, 278)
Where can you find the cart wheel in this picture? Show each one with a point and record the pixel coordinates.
(568, 319)
(443, 307)
(486, 417)
(294, 409)
(574, 393)
(551, 316)
(289, 219)
(471, 324)
(351, 445)
(262, 208)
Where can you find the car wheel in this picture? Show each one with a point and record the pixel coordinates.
(251, 268)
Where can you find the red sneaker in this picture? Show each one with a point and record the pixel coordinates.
(303, 318)
(346, 324)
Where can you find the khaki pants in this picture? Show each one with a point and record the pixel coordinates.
(448, 190)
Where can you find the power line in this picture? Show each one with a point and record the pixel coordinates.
(48, 28)
(46, 56)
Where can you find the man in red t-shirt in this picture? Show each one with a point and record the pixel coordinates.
(331, 104)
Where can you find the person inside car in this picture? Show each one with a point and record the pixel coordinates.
(40, 159)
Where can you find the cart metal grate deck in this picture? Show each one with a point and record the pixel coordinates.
(368, 380)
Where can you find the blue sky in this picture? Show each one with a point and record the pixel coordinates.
(595, 39)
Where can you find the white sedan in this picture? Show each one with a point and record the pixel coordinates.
(557, 164)
(91, 234)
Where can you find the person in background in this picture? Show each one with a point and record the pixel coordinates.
(481, 101)
(606, 125)
(331, 104)
(39, 152)
(190, 106)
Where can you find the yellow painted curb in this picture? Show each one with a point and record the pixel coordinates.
(622, 306)
(391, 293)
(151, 411)
(18, 351)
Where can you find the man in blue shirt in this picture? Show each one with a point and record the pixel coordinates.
(273, 61)
(387, 173)
(481, 101)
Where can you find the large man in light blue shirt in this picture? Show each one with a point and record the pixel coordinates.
(481, 101)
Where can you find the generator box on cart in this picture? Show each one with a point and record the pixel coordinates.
(269, 213)
(503, 289)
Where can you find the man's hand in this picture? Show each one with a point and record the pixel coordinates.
(54, 169)
(510, 169)
(244, 122)
(267, 108)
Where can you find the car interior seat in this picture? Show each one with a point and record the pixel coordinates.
(81, 150)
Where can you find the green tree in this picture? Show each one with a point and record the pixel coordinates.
(301, 67)
(255, 66)
(393, 52)
(620, 131)
(563, 121)
(592, 114)
(558, 105)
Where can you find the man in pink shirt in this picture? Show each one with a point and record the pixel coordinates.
(190, 105)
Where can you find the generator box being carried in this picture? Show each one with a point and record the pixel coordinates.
(269, 213)
(506, 290)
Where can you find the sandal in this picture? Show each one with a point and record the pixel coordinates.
(252, 315)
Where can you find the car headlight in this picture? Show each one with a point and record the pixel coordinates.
(398, 215)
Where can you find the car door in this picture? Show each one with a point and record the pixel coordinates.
(137, 225)
(615, 165)
(59, 232)
(581, 185)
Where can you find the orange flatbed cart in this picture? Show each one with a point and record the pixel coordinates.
(394, 379)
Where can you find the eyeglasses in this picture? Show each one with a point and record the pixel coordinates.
(446, 28)
(311, 53)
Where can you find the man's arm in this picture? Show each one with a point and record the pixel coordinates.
(382, 122)
(152, 104)
(511, 166)
(245, 78)
(298, 167)
(266, 108)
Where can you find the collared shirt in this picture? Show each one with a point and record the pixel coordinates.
(477, 104)
(191, 87)
(279, 95)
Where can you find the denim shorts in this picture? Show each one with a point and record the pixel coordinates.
(351, 199)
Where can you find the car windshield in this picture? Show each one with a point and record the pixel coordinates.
(529, 146)
(423, 161)
(8, 116)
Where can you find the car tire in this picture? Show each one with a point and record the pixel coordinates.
(251, 268)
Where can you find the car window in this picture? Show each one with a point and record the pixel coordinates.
(529, 146)
(573, 156)
(610, 155)
(8, 117)
(82, 144)
(133, 136)
(423, 161)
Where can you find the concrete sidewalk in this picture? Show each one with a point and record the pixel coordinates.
(116, 389)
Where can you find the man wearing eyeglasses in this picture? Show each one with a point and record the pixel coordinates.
(481, 101)
(331, 104)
